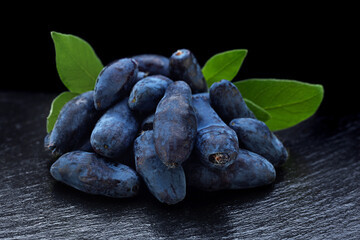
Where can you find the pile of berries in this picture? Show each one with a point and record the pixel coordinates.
(151, 121)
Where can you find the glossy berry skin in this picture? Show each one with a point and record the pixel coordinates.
(216, 143)
(249, 170)
(146, 94)
(184, 66)
(114, 82)
(168, 185)
(255, 136)
(153, 64)
(115, 131)
(90, 173)
(175, 125)
(227, 101)
(74, 124)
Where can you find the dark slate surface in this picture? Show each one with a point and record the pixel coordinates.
(316, 194)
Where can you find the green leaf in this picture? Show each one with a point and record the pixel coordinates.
(76, 62)
(56, 106)
(223, 65)
(259, 112)
(289, 102)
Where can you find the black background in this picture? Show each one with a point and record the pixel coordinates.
(306, 43)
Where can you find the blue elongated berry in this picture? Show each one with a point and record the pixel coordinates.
(83, 145)
(74, 124)
(90, 173)
(115, 82)
(175, 125)
(184, 66)
(168, 185)
(216, 143)
(255, 136)
(153, 64)
(227, 101)
(146, 94)
(249, 170)
(115, 131)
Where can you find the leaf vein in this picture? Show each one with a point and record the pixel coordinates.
(291, 104)
(82, 68)
(224, 67)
